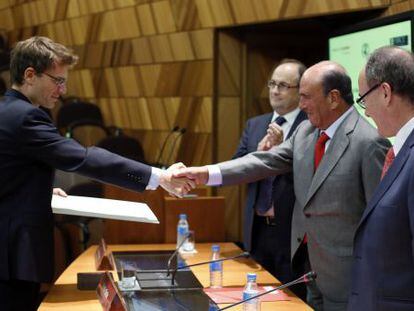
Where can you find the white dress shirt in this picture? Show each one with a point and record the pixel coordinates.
(402, 135)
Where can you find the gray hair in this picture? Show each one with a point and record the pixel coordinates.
(392, 65)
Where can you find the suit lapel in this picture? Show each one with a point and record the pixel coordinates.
(339, 143)
(303, 179)
(391, 175)
(299, 118)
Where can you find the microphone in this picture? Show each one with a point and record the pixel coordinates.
(310, 276)
(242, 255)
(181, 132)
(174, 129)
(176, 252)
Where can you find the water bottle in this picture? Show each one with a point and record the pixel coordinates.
(251, 289)
(216, 268)
(182, 229)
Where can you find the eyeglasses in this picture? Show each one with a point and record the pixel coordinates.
(281, 86)
(360, 101)
(59, 81)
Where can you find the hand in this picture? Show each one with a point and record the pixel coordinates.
(273, 137)
(198, 174)
(176, 166)
(176, 186)
(59, 192)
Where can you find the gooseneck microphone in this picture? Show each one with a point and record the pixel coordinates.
(242, 255)
(173, 130)
(310, 276)
(181, 133)
(176, 252)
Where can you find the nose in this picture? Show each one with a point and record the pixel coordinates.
(302, 105)
(62, 89)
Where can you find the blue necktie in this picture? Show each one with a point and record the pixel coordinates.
(280, 120)
(267, 187)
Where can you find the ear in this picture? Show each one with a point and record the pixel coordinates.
(29, 75)
(386, 90)
(334, 98)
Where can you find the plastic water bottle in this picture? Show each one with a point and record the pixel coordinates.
(182, 229)
(216, 268)
(251, 289)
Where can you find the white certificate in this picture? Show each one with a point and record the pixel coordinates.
(103, 208)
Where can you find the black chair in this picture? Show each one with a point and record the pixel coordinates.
(125, 146)
(87, 132)
(77, 111)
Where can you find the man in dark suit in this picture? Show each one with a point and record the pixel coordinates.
(383, 268)
(336, 158)
(269, 203)
(30, 149)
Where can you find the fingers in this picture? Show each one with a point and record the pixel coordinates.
(176, 166)
(184, 172)
(60, 192)
(178, 186)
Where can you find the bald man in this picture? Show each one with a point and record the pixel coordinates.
(336, 158)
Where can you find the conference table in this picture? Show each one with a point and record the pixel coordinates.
(64, 294)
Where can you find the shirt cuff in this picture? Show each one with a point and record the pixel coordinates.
(154, 180)
(214, 175)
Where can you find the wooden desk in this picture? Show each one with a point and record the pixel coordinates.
(65, 296)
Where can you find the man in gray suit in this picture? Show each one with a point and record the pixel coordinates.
(336, 159)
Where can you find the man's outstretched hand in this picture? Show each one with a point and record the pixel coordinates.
(176, 186)
(198, 174)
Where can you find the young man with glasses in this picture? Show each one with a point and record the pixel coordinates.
(30, 149)
(383, 269)
(336, 158)
(269, 202)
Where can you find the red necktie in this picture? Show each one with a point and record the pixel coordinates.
(319, 152)
(320, 148)
(388, 161)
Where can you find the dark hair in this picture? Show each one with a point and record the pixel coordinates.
(40, 53)
(338, 80)
(301, 66)
(392, 65)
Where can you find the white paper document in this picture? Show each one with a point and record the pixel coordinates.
(103, 208)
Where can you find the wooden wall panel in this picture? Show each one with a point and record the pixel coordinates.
(6, 18)
(163, 17)
(146, 20)
(399, 7)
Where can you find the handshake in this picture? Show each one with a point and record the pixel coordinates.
(178, 179)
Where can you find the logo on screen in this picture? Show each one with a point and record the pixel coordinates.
(365, 50)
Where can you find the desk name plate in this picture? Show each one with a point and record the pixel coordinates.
(104, 260)
(109, 295)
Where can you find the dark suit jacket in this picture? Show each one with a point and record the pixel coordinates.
(253, 133)
(383, 268)
(30, 149)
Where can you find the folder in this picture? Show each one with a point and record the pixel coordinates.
(103, 208)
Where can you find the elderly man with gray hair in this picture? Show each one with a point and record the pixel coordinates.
(383, 268)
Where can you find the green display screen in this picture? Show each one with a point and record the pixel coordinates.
(352, 50)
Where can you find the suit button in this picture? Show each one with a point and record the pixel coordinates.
(139, 178)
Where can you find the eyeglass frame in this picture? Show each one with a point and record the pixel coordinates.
(59, 81)
(281, 86)
(360, 100)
